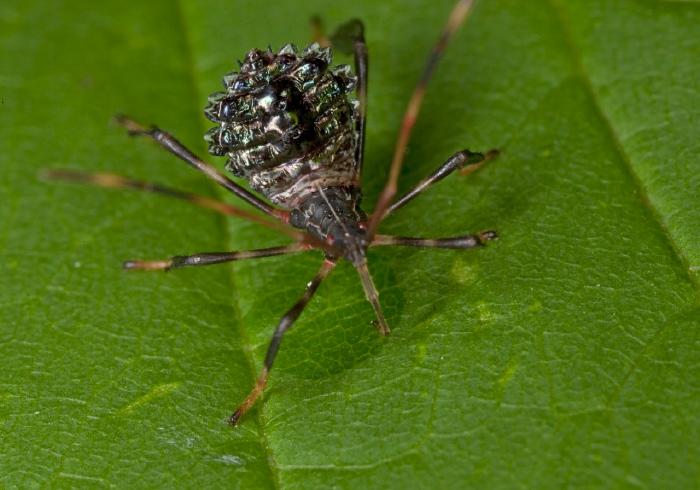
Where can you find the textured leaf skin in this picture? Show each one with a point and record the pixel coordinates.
(565, 354)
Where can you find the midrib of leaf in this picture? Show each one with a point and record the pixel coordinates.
(585, 79)
(240, 328)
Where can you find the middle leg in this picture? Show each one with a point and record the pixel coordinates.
(117, 181)
(211, 258)
(460, 242)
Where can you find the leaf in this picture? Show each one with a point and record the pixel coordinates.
(565, 354)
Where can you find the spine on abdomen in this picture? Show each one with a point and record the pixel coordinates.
(286, 124)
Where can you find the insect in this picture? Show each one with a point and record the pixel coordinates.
(287, 124)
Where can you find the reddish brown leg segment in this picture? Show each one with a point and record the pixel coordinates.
(458, 15)
(318, 34)
(372, 296)
(284, 324)
(168, 141)
(118, 181)
(211, 258)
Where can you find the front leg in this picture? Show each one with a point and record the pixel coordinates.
(170, 143)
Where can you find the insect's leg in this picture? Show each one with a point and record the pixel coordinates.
(171, 144)
(460, 242)
(468, 169)
(372, 296)
(459, 13)
(464, 159)
(350, 38)
(318, 33)
(284, 324)
(211, 258)
(120, 182)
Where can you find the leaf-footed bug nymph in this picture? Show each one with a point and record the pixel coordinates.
(287, 125)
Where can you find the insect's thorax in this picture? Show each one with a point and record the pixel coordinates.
(287, 125)
(334, 216)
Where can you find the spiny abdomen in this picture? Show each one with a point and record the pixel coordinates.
(287, 124)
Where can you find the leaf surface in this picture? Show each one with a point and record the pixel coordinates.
(566, 353)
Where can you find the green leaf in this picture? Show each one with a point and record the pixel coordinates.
(565, 354)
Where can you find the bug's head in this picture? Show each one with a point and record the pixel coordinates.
(354, 245)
